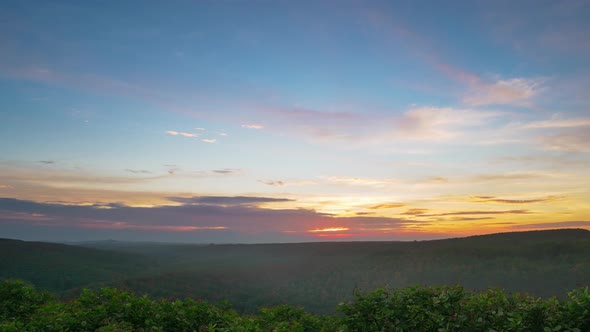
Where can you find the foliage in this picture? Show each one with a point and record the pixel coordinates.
(440, 309)
(315, 276)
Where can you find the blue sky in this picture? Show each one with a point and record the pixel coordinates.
(462, 117)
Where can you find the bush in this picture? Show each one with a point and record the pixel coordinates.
(416, 309)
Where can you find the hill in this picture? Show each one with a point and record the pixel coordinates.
(317, 276)
(60, 267)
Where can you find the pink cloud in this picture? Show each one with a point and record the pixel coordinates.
(180, 133)
(253, 126)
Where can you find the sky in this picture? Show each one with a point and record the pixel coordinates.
(292, 121)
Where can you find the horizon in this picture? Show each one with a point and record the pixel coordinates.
(316, 241)
(278, 122)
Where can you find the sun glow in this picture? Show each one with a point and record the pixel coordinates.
(330, 229)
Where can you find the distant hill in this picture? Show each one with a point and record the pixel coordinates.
(60, 267)
(314, 275)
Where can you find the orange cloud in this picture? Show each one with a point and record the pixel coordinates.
(329, 229)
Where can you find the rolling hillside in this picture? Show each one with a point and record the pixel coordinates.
(316, 276)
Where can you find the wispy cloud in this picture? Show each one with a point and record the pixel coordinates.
(514, 91)
(510, 176)
(227, 200)
(414, 212)
(181, 133)
(558, 122)
(137, 171)
(31, 175)
(6, 186)
(283, 183)
(571, 139)
(386, 206)
(461, 213)
(226, 171)
(273, 183)
(441, 123)
(209, 140)
(357, 181)
(47, 162)
(492, 199)
(253, 126)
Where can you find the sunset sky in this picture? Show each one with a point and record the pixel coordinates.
(284, 121)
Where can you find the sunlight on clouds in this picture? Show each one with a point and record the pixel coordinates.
(573, 139)
(441, 123)
(180, 133)
(514, 91)
(329, 229)
(353, 181)
(252, 126)
(557, 122)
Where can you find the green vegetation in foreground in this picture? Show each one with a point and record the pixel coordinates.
(440, 309)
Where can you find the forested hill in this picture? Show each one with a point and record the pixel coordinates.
(59, 267)
(316, 276)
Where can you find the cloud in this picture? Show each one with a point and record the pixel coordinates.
(198, 219)
(200, 128)
(25, 175)
(469, 218)
(6, 186)
(492, 199)
(253, 126)
(273, 183)
(226, 171)
(354, 181)
(557, 122)
(281, 183)
(509, 176)
(180, 133)
(441, 122)
(386, 206)
(227, 200)
(392, 129)
(514, 91)
(559, 224)
(572, 139)
(137, 171)
(209, 140)
(414, 212)
(329, 229)
(460, 213)
(47, 162)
